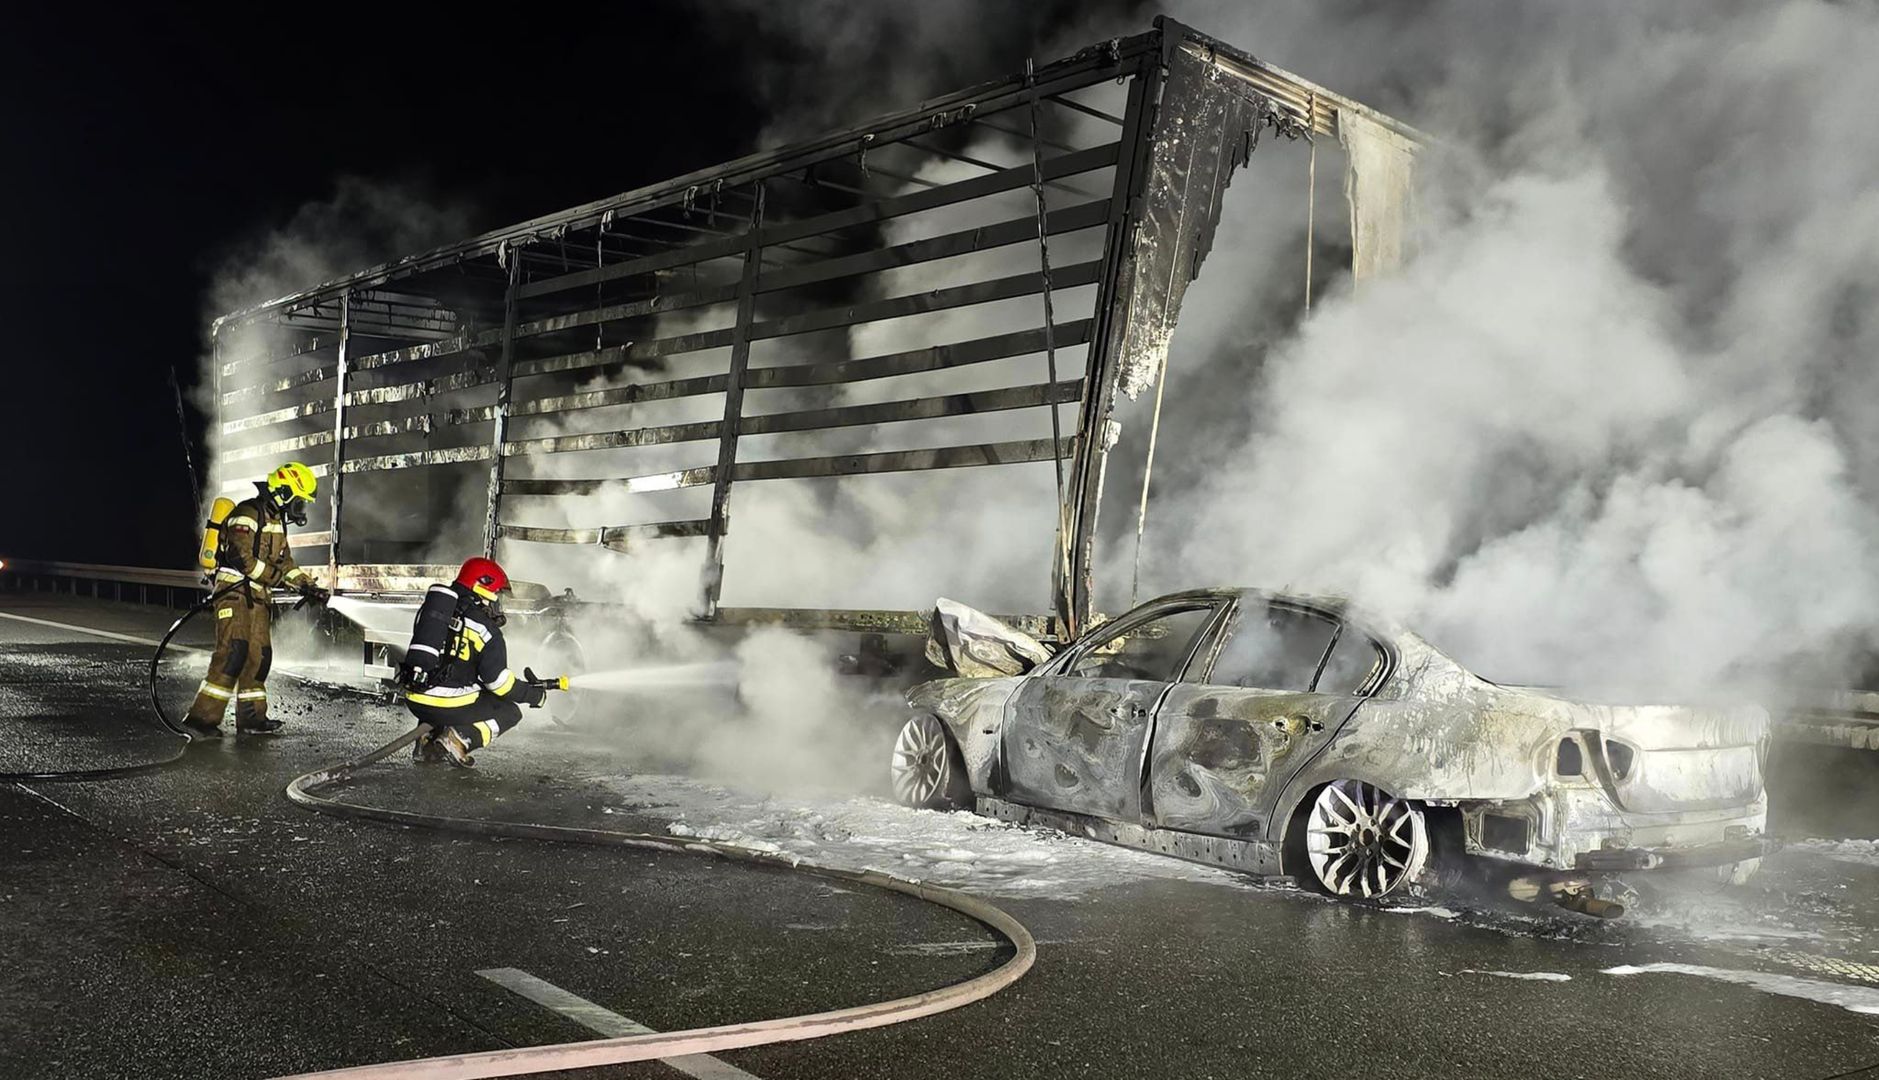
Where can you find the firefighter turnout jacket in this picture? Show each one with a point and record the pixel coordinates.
(459, 644)
(254, 546)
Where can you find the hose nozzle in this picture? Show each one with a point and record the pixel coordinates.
(545, 682)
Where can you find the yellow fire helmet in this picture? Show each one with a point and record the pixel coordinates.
(292, 481)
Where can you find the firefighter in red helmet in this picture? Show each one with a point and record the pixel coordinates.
(456, 670)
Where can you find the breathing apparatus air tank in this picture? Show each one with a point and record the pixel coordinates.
(212, 532)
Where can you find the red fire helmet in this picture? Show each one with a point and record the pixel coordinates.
(483, 577)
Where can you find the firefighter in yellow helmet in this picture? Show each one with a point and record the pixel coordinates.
(252, 561)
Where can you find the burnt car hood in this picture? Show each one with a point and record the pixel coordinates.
(972, 644)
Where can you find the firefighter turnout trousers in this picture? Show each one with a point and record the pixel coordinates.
(478, 723)
(244, 650)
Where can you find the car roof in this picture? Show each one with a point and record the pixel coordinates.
(1338, 607)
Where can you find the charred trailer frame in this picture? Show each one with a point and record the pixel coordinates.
(461, 374)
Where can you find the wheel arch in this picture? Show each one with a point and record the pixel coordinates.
(1442, 818)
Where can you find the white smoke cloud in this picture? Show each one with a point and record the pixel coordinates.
(1612, 428)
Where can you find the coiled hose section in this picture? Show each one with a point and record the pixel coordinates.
(521, 1061)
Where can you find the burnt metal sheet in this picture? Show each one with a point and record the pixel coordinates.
(1220, 755)
(945, 457)
(291, 382)
(653, 305)
(624, 354)
(615, 440)
(964, 242)
(434, 350)
(391, 577)
(867, 621)
(1074, 587)
(335, 499)
(1076, 744)
(621, 395)
(873, 212)
(1207, 126)
(957, 296)
(665, 481)
(930, 408)
(689, 255)
(1307, 102)
(931, 358)
(311, 345)
(617, 537)
(1013, 179)
(1251, 856)
(729, 428)
(499, 417)
(452, 456)
(409, 425)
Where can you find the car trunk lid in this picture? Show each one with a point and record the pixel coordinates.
(1655, 759)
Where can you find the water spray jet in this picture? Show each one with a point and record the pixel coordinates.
(658, 676)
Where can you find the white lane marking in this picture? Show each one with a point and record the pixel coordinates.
(1857, 999)
(608, 1023)
(152, 642)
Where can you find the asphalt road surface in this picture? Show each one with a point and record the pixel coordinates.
(190, 922)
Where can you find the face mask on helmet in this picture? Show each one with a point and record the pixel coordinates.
(291, 507)
(488, 611)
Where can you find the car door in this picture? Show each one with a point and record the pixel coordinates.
(1282, 679)
(1075, 730)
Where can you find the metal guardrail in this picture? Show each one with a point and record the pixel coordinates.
(140, 584)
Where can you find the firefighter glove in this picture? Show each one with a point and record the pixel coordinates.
(413, 676)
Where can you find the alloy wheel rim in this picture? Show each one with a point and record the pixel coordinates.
(920, 761)
(1361, 841)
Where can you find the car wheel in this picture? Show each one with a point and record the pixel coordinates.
(927, 770)
(561, 654)
(1361, 841)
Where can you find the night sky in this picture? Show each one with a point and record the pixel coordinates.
(142, 149)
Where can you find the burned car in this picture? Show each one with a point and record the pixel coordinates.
(1300, 736)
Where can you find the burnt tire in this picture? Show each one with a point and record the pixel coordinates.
(561, 654)
(927, 770)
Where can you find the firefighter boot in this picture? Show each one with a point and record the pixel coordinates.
(456, 749)
(426, 751)
(251, 716)
(201, 730)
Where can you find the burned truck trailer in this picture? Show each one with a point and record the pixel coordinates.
(610, 376)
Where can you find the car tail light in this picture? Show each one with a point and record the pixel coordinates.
(1570, 760)
(1621, 757)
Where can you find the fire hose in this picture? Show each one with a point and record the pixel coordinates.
(523, 1061)
(169, 725)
